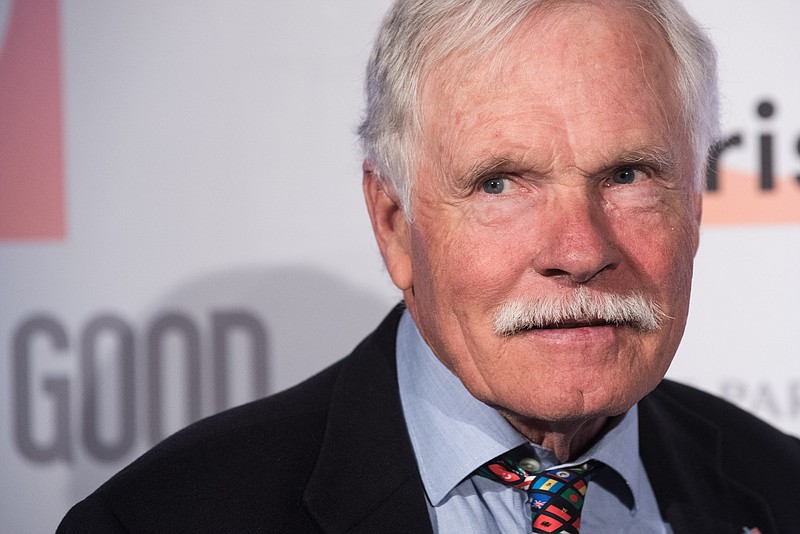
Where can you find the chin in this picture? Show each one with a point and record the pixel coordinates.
(571, 404)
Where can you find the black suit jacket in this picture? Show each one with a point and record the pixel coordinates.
(333, 455)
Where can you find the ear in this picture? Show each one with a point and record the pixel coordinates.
(390, 226)
(698, 213)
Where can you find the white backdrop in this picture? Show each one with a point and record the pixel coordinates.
(214, 245)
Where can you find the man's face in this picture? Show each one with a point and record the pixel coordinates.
(559, 163)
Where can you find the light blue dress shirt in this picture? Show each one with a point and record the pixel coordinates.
(453, 433)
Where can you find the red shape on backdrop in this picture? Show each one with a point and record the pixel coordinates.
(32, 201)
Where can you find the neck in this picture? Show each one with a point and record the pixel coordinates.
(567, 439)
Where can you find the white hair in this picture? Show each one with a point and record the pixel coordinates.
(581, 305)
(417, 33)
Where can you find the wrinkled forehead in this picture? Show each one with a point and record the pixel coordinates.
(590, 51)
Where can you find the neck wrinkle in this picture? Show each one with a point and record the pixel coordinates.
(567, 440)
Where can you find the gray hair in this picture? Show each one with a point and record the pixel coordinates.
(580, 305)
(417, 33)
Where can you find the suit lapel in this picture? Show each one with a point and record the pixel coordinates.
(366, 477)
(681, 454)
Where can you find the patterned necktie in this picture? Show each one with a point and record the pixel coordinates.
(556, 495)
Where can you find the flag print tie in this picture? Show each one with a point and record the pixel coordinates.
(556, 495)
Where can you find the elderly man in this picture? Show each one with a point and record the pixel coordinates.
(533, 175)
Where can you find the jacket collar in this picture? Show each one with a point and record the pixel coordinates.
(681, 451)
(366, 478)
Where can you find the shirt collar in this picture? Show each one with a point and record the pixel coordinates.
(618, 448)
(453, 433)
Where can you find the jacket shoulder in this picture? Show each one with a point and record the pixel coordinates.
(245, 469)
(254, 459)
(740, 432)
(686, 433)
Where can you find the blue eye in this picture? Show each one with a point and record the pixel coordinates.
(494, 186)
(625, 175)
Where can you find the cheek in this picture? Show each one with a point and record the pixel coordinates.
(660, 250)
(479, 258)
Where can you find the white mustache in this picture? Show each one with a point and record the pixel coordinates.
(580, 306)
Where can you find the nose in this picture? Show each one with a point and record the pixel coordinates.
(576, 239)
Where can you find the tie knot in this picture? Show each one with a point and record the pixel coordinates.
(556, 495)
(515, 470)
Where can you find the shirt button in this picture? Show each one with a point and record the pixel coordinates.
(531, 465)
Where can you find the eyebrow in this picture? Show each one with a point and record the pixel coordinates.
(662, 160)
(486, 167)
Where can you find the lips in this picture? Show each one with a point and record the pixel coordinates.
(574, 324)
